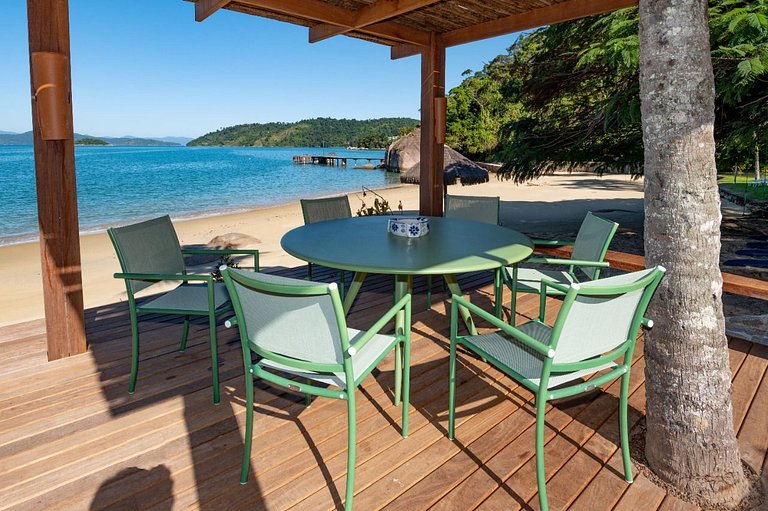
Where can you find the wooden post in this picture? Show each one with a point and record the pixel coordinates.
(432, 89)
(56, 190)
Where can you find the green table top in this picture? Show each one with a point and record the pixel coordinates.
(364, 245)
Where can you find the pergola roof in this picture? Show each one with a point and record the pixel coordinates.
(407, 25)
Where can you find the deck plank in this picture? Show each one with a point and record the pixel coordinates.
(72, 438)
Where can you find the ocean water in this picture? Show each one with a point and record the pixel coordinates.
(118, 185)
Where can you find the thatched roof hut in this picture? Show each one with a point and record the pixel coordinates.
(403, 156)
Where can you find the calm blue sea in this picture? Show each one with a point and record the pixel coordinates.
(123, 184)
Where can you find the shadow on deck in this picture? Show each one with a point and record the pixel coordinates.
(72, 438)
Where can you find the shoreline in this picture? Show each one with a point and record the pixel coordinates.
(552, 204)
(9, 241)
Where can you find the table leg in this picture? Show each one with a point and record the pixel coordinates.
(403, 285)
(354, 288)
(498, 291)
(453, 286)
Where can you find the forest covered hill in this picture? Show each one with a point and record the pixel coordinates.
(319, 132)
(10, 138)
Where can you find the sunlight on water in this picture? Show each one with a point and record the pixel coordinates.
(117, 185)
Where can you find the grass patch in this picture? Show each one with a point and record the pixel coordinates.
(743, 187)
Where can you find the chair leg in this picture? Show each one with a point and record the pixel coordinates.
(307, 396)
(452, 391)
(429, 292)
(134, 351)
(184, 334)
(623, 427)
(406, 384)
(214, 357)
(351, 449)
(248, 429)
(398, 373)
(541, 476)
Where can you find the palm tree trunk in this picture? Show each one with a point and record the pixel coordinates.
(690, 440)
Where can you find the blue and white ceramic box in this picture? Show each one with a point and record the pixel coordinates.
(409, 227)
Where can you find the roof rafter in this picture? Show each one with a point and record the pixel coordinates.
(564, 11)
(330, 14)
(204, 8)
(380, 10)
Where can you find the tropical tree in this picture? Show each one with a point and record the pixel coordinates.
(690, 438)
(580, 99)
(575, 88)
(477, 109)
(740, 57)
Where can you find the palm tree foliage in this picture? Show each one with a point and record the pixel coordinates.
(567, 96)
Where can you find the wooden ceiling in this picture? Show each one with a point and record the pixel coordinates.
(407, 25)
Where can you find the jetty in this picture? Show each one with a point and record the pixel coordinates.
(333, 160)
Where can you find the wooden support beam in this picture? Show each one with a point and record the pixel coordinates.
(400, 51)
(540, 17)
(204, 8)
(327, 13)
(380, 10)
(432, 150)
(56, 190)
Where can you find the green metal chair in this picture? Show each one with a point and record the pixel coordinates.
(589, 249)
(595, 331)
(320, 210)
(477, 209)
(298, 330)
(149, 252)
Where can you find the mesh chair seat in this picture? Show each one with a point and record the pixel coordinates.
(529, 279)
(373, 352)
(190, 297)
(523, 360)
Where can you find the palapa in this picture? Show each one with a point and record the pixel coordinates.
(403, 156)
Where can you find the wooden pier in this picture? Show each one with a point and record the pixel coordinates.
(332, 160)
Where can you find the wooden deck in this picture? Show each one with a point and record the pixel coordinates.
(72, 438)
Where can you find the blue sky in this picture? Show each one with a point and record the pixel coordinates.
(146, 68)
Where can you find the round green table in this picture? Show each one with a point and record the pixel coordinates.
(364, 245)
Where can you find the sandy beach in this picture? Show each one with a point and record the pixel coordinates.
(550, 206)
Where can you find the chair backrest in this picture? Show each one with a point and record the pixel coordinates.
(147, 247)
(599, 316)
(477, 209)
(328, 208)
(288, 317)
(595, 234)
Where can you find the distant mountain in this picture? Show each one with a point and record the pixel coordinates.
(175, 140)
(16, 138)
(9, 138)
(320, 132)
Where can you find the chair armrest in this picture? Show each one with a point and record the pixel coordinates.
(550, 243)
(545, 283)
(163, 276)
(647, 323)
(524, 338)
(376, 328)
(225, 251)
(569, 262)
